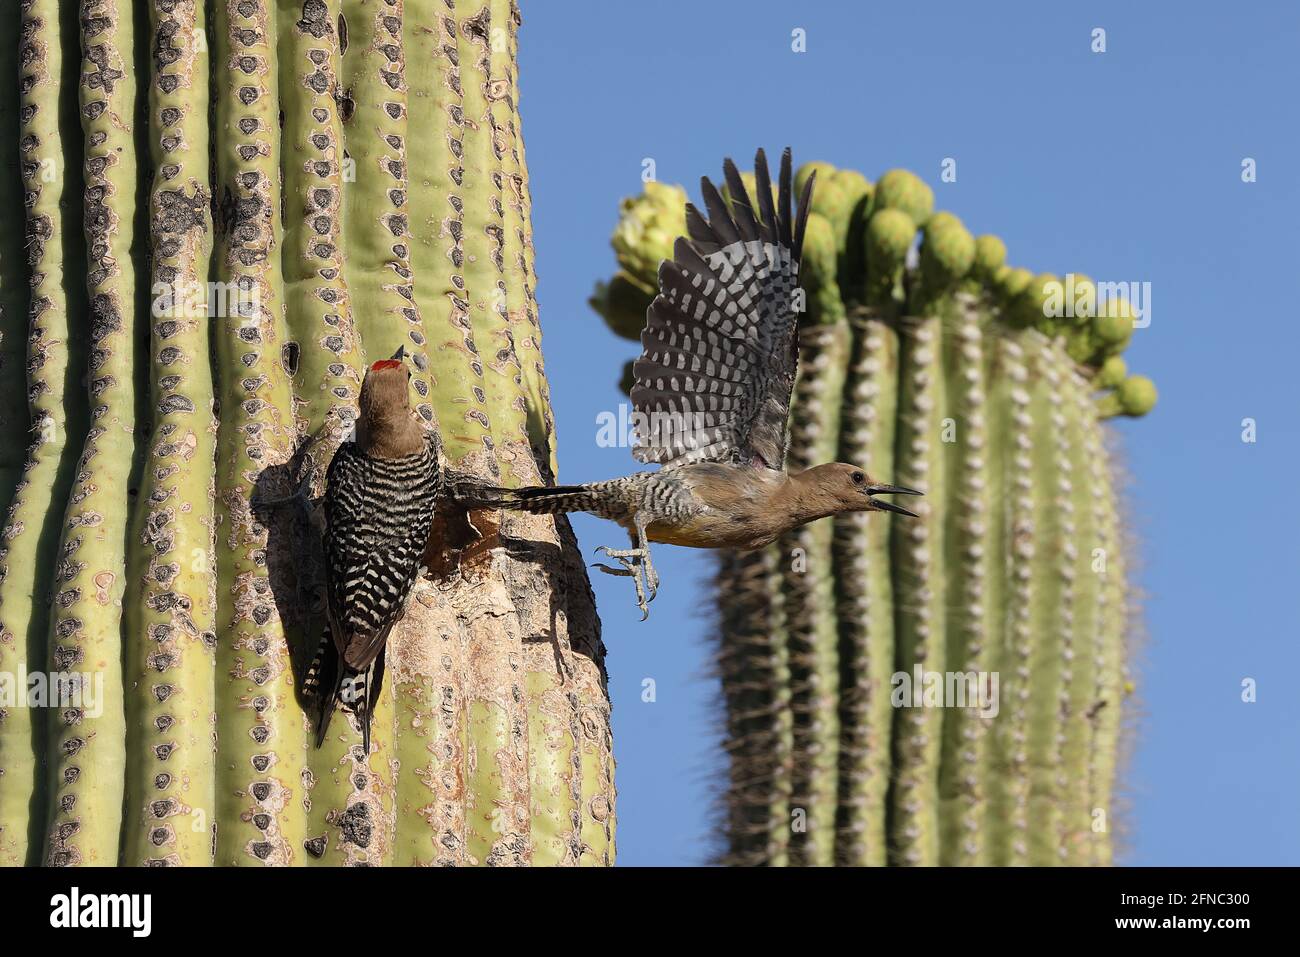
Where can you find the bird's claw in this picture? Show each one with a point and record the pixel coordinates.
(636, 566)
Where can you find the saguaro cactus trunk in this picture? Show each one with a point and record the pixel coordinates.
(945, 689)
(230, 208)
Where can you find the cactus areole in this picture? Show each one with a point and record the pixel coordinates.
(228, 219)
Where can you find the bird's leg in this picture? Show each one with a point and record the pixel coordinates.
(629, 570)
(647, 568)
(636, 565)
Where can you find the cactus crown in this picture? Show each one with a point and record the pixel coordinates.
(860, 235)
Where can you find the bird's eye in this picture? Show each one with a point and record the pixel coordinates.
(858, 478)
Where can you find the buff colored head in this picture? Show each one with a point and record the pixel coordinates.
(840, 487)
(385, 427)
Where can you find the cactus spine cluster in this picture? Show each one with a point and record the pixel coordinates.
(935, 366)
(230, 208)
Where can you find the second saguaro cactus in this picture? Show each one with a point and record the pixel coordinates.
(944, 690)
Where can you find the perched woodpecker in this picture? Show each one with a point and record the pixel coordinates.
(380, 495)
(712, 396)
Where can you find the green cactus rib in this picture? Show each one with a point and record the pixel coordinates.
(1050, 599)
(762, 757)
(811, 630)
(554, 779)
(1006, 775)
(429, 700)
(489, 740)
(260, 734)
(437, 209)
(579, 793)
(328, 354)
(485, 238)
(523, 333)
(1078, 669)
(170, 610)
(864, 599)
(962, 801)
(533, 364)
(1112, 613)
(88, 737)
(13, 277)
(1002, 366)
(324, 354)
(570, 761)
(491, 747)
(376, 213)
(919, 580)
(554, 787)
(758, 759)
(50, 128)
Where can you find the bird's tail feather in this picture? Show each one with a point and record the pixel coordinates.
(358, 690)
(539, 499)
(322, 682)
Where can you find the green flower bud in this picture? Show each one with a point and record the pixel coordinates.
(889, 235)
(1080, 344)
(846, 203)
(1113, 326)
(1034, 306)
(817, 271)
(942, 220)
(832, 200)
(817, 266)
(990, 258)
(1014, 282)
(1135, 396)
(1082, 293)
(858, 189)
(899, 189)
(824, 172)
(622, 303)
(648, 226)
(947, 252)
(853, 181)
(1112, 372)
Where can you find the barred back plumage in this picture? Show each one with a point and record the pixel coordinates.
(379, 512)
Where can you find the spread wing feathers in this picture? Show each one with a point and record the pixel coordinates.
(378, 514)
(721, 343)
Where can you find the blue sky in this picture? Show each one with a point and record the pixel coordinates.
(1125, 166)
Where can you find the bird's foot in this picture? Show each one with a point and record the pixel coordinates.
(636, 565)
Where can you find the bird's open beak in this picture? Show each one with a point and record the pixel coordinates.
(892, 490)
(400, 354)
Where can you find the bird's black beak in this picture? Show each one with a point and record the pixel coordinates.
(892, 490)
(400, 354)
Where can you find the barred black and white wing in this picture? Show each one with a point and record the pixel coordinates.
(378, 514)
(721, 344)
